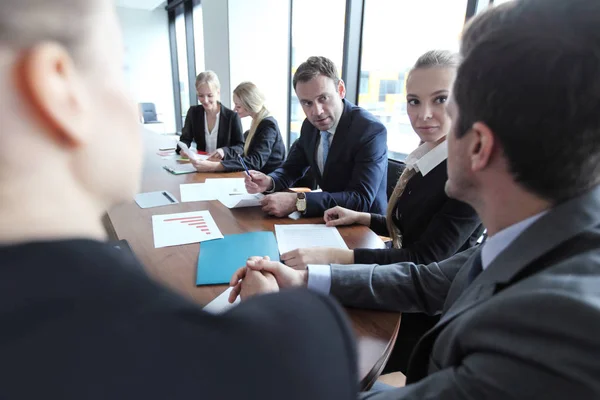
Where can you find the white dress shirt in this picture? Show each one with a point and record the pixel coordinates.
(212, 136)
(496, 244)
(319, 276)
(320, 148)
(426, 157)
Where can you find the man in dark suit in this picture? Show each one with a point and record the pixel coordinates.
(519, 314)
(344, 145)
(80, 319)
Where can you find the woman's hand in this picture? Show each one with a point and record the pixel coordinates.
(338, 216)
(300, 258)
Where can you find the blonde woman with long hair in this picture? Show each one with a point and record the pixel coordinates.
(263, 149)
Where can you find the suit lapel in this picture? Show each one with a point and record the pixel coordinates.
(200, 139)
(222, 134)
(560, 224)
(341, 131)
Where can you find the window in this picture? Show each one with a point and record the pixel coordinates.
(496, 2)
(182, 62)
(364, 83)
(315, 34)
(395, 34)
(199, 38)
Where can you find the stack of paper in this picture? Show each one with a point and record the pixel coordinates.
(291, 237)
(221, 303)
(227, 186)
(216, 189)
(241, 201)
(196, 192)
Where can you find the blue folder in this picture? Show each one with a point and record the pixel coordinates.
(219, 259)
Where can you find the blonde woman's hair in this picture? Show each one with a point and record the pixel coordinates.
(431, 59)
(208, 78)
(252, 99)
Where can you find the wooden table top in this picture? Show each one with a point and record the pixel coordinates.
(176, 266)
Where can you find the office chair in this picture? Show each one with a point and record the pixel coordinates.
(148, 111)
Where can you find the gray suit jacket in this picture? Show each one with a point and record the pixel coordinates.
(528, 327)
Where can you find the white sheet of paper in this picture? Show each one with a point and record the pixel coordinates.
(221, 303)
(196, 192)
(186, 150)
(295, 215)
(291, 237)
(227, 186)
(241, 201)
(184, 228)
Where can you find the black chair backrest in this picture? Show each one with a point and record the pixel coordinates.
(149, 112)
(395, 169)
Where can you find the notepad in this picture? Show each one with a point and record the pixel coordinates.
(155, 199)
(219, 259)
(291, 237)
(181, 169)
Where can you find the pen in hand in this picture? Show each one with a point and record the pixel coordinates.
(244, 165)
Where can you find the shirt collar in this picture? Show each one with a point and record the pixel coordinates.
(427, 156)
(494, 245)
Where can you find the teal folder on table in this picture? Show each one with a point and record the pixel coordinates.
(219, 259)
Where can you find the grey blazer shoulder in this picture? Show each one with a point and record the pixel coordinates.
(527, 327)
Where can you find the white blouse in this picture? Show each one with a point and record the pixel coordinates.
(212, 136)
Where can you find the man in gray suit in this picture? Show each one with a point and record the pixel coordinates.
(520, 314)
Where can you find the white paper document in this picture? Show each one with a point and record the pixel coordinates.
(186, 150)
(196, 192)
(241, 201)
(291, 237)
(221, 303)
(226, 186)
(184, 228)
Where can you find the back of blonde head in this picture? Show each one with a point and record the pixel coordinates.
(253, 100)
(430, 59)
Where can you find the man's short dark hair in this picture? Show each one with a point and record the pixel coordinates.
(315, 66)
(531, 72)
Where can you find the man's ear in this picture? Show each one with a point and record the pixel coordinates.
(341, 89)
(482, 147)
(49, 84)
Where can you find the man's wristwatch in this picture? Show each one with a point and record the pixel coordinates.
(301, 202)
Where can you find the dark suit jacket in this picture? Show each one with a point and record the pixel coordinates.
(434, 227)
(229, 138)
(356, 169)
(525, 328)
(81, 320)
(266, 152)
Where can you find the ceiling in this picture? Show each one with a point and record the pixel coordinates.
(140, 4)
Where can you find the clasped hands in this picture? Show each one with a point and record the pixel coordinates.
(261, 275)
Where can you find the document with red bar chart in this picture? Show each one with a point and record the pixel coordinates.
(184, 228)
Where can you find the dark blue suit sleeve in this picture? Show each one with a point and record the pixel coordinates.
(293, 168)
(447, 232)
(259, 150)
(368, 173)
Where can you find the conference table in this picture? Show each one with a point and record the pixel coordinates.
(175, 266)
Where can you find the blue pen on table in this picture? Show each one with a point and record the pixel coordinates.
(244, 165)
